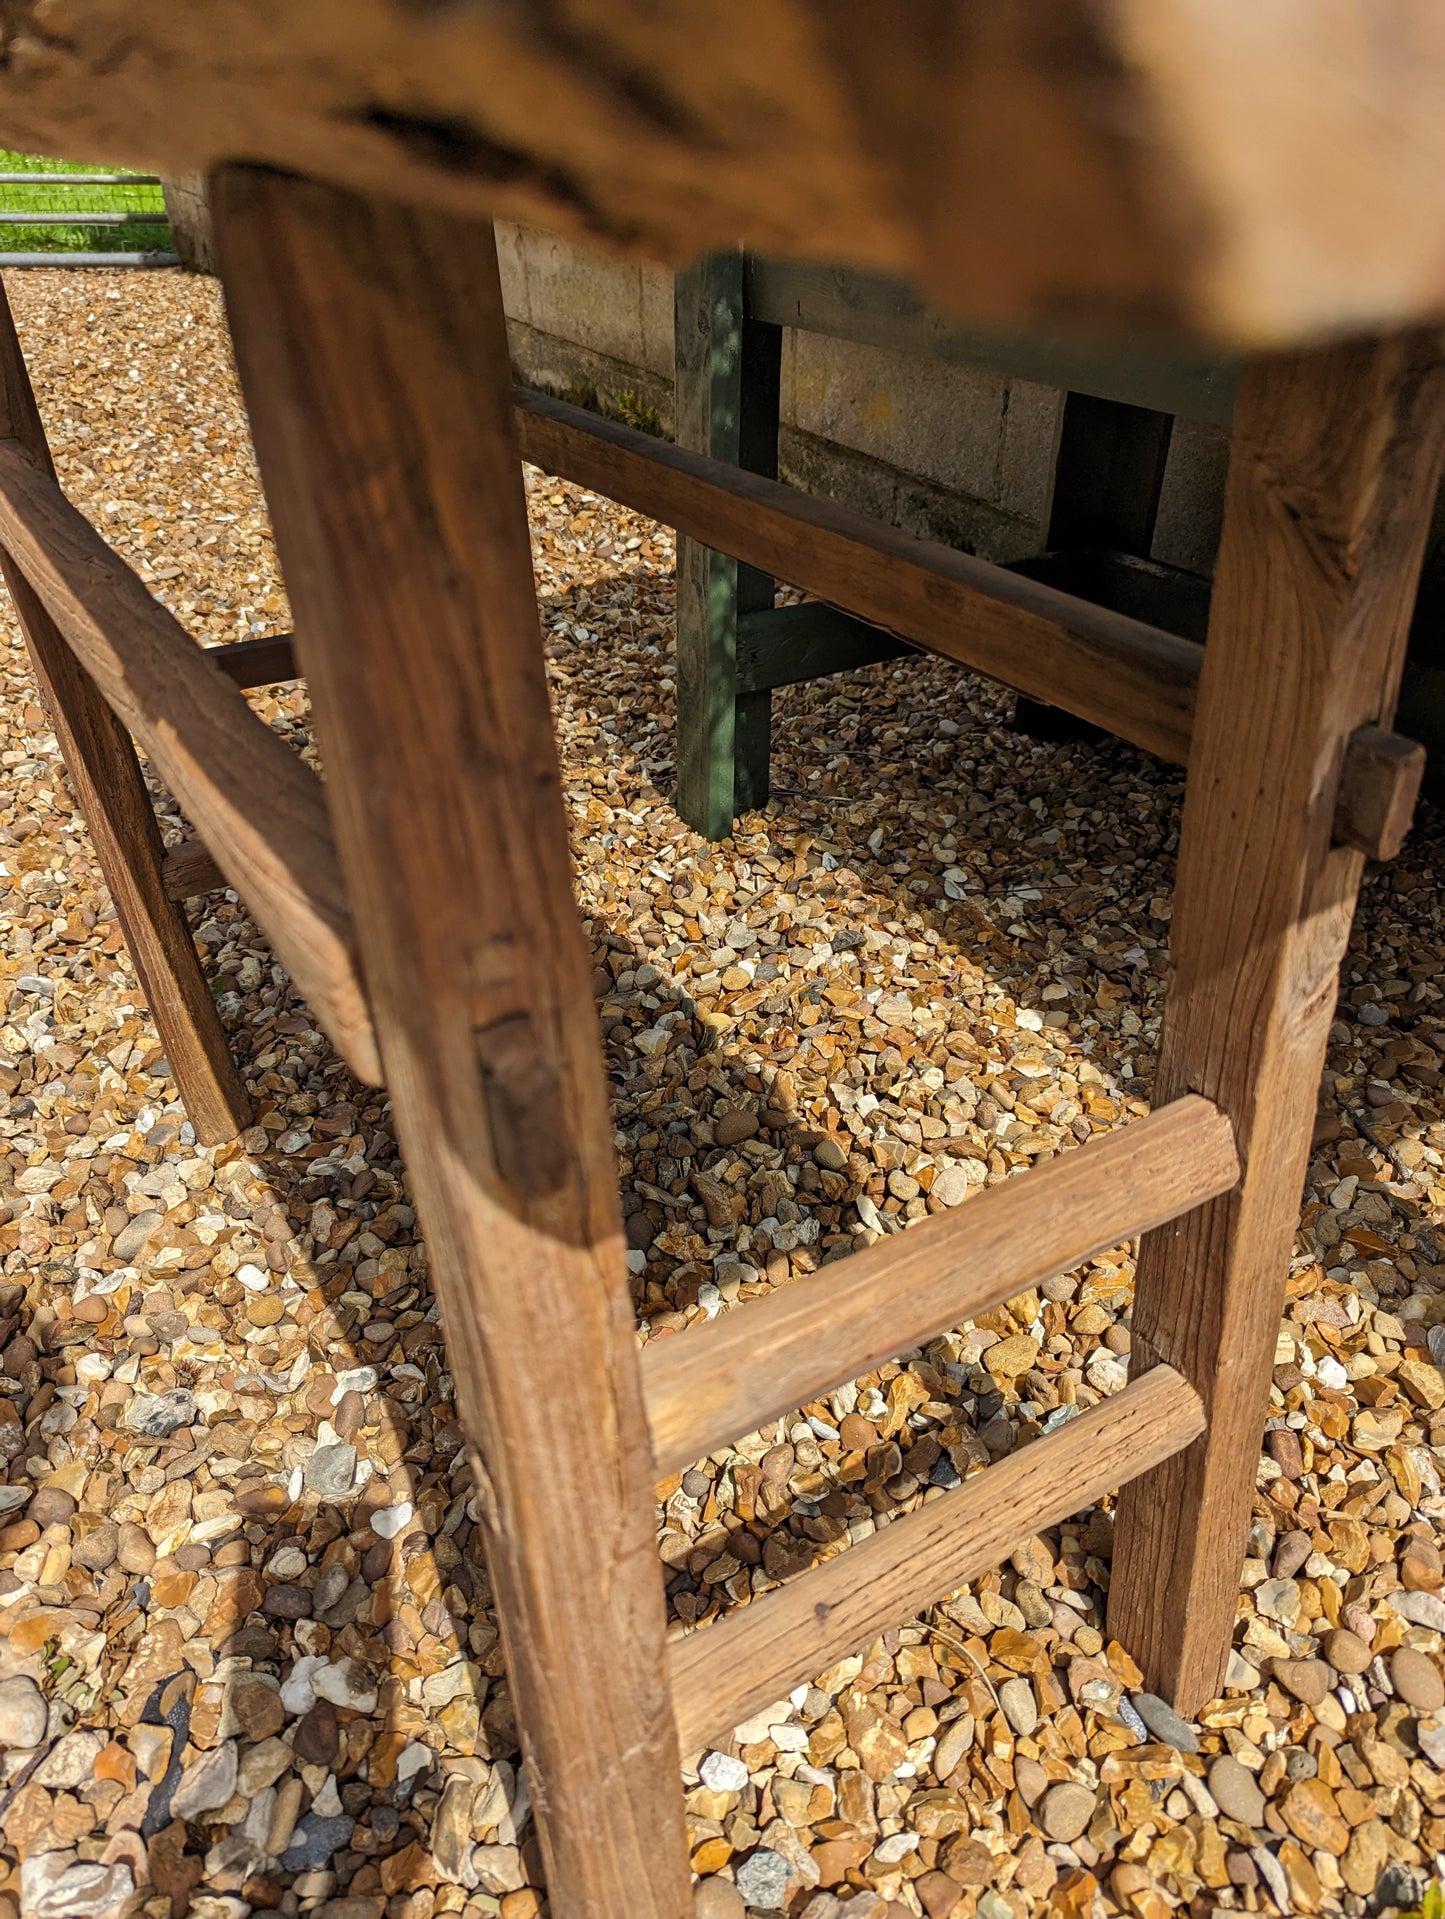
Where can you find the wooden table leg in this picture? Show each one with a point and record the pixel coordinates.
(373, 354)
(1333, 471)
(110, 790)
(728, 370)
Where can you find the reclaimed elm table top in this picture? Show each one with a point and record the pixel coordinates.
(1254, 174)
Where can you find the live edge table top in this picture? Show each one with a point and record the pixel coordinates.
(1252, 173)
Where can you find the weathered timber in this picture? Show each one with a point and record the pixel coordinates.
(1378, 790)
(709, 1386)
(1120, 673)
(265, 662)
(1335, 459)
(760, 1652)
(726, 407)
(189, 869)
(784, 644)
(887, 313)
(373, 355)
(1123, 675)
(1157, 165)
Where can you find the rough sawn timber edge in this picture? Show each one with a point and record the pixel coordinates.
(1334, 463)
(372, 351)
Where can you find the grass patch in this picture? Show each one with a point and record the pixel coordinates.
(45, 197)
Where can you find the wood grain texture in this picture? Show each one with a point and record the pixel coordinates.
(1120, 673)
(784, 644)
(188, 870)
(372, 352)
(259, 808)
(726, 406)
(110, 791)
(707, 1387)
(264, 662)
(1264, 173)
(777, 646)
(1131, 678)
(1333, 470)
(1379, 786)
(758, 1653)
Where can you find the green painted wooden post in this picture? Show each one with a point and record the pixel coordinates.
(727, 406)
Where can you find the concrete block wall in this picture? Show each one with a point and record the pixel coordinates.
(963, 455)
(953, 452)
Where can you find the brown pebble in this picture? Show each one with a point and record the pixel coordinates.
(1236, 1791)
(134, 1550)
(641, 1231)
(1307, 1679)
(51, 1507)
(258, 1710)
(235, 1552)
(1285, 1450)
(1031, 1779)
(969, 1861)
(1310, 1812)
(1290, 1554)
(1346, 1651)
(524, 1903)
(1420, 1569)
(318, 1734)
(730, 1129)
(714, 1898)
(938, 1894)
(1065, 1810)
(857, 1433)
(92, 1310)
(1416, 1678)
(350, 1411)
(17, 1536)
(96, 1549)
(287, 1602)
(20, 1353)
(253, 1642)
(318, 1395)
(261, 1502)
(776, 1465)
(1361, 1623)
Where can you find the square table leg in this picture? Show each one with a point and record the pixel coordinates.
(1333, 470)
(373, 354)
(728, 370)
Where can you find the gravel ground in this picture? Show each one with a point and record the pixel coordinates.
(247, 1657)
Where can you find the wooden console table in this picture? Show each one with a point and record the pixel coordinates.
(422, 899)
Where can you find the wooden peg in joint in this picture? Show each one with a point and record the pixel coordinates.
(1379, 786)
